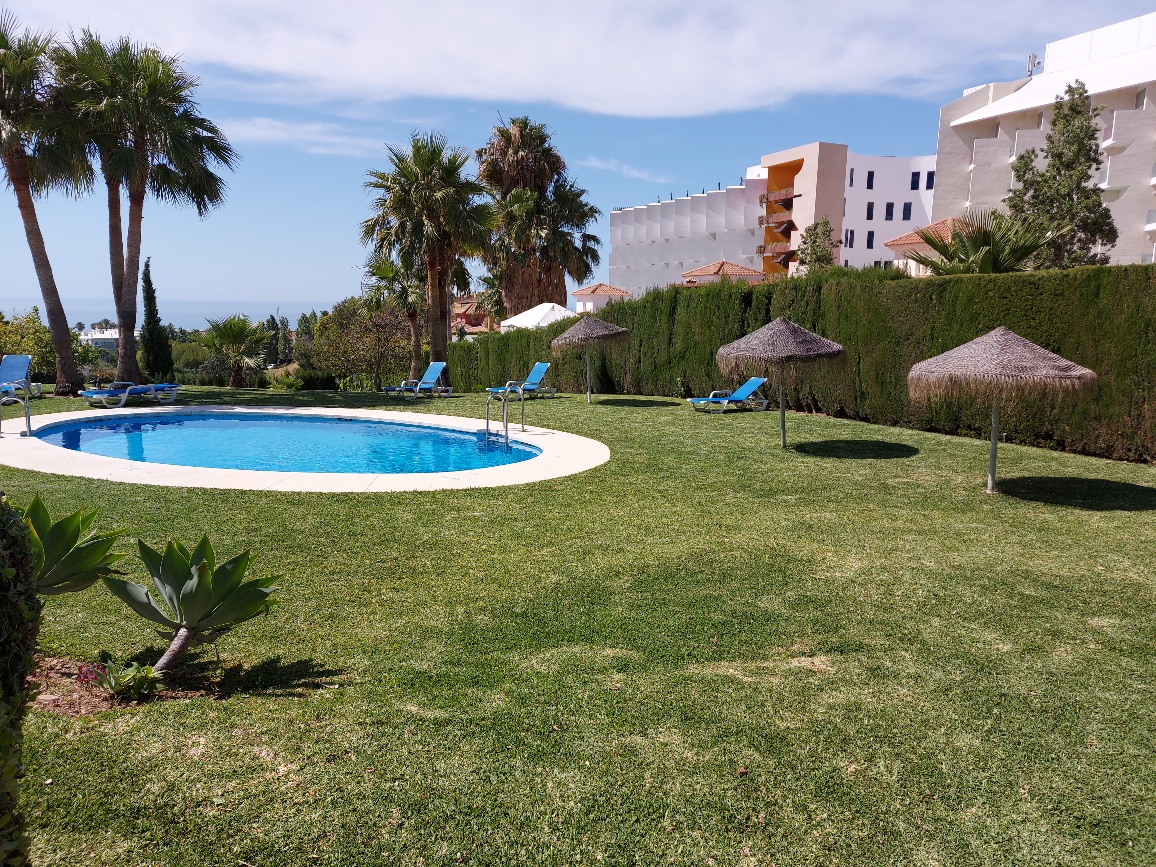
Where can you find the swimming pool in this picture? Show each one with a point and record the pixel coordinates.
(280, 443)
(320, 449)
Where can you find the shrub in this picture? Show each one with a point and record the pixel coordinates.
(19, 625)
(132, 681)
(66, 557)
(197, 601)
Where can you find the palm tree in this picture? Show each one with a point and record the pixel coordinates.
(541, 235)
(428, 214)
(391, 283)
(133, 108)
(34, 161)
(237, 340)
(986, 242)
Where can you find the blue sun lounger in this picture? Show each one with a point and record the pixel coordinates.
(118, 393)
(747, 393)
(15, 386)
(428, 384)
(531, 386)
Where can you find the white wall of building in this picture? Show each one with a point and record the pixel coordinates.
(866, 211)
(652, 245)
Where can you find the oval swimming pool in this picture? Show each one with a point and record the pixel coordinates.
(287, 443)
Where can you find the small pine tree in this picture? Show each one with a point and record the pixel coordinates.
(284, 342)
(1064, 193)
(818, 245)
(19, 626)
(156, 350)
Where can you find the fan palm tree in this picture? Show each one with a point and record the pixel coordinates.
(34, 161)
(391, 283)
(428, 214)
(985, 242)
(541, 235)
(133, 108)
(239, 341)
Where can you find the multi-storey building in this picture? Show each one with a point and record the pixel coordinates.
(758, 224)
(981, 133)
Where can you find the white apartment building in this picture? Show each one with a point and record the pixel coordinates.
(981, 133)
(652, 245)
(868, 200)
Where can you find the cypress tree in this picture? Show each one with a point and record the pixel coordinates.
(1064, 192)
(284, 342)
(19, 625)
(156, 349)
(271, 342)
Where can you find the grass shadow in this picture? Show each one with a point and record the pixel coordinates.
(1096, 495)
(856, 449)
(273, 676)
(608, 400)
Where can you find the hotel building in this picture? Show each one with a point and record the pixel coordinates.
(982, 132)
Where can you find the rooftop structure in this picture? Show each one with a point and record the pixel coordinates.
(717, 270)
(591, 299)
(912, 243)
(983, 131)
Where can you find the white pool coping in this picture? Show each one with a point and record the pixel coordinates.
(563, 454)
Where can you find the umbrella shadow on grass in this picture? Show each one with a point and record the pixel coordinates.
(856, 449)
(271, 676)
(1096, 495)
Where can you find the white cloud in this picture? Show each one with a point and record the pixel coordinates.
(645, 58)
(313, 137)
(621, 168)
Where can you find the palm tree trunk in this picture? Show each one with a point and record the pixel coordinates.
(182, 641)
(127, 369)
(237, 374)
(68, 378)
(435, 318)
(115, 233)
(415, 353)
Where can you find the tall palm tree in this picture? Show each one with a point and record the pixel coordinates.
(33, 160)
(428, 214)
(541, 233)
(239, 341)
(391, 283)
(986, 242)
(133, 108)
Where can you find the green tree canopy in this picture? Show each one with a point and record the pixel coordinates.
(986, 242)
(1063, 191)
(239, 342)
(817, 245)
(156, 349)
(362, 340)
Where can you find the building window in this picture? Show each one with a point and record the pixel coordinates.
(870, 240)
(915, 180)
(1040, 120)
(907, 210)
(850, 239)
(870, 210)
(889, 213)
(930, 181)
(1141, 98)
(846, 263)
(870, 180)
(851, 181)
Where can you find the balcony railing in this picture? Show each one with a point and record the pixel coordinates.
(776, 248)
(779, 196)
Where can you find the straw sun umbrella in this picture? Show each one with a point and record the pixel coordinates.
(582, 335)
(775, 345)
(1001, 363)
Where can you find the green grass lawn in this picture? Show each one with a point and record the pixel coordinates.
(909, 670)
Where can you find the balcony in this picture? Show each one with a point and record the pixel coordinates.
(779, 197)
(1150, 225)
(776, 248)
(778, 221)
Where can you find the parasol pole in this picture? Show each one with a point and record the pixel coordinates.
(588, 400)
(994, 441)
(782, 412)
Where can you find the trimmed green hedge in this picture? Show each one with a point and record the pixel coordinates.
(1103, 318)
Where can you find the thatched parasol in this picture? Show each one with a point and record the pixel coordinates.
(582, 335)
(775, 345)
(999, 363)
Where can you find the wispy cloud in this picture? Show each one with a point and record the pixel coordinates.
(647, 58)
(621, 168)
(314, 137)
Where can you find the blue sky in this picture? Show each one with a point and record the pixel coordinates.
(644, 99)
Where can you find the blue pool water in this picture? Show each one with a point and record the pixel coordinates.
(258, 441)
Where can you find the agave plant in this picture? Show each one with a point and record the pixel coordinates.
(66, 558)
(198, 601)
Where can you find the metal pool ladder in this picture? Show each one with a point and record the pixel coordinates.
(505, 396)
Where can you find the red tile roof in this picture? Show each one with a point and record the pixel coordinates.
(942, 229)
(602, 289)
(723, 269)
